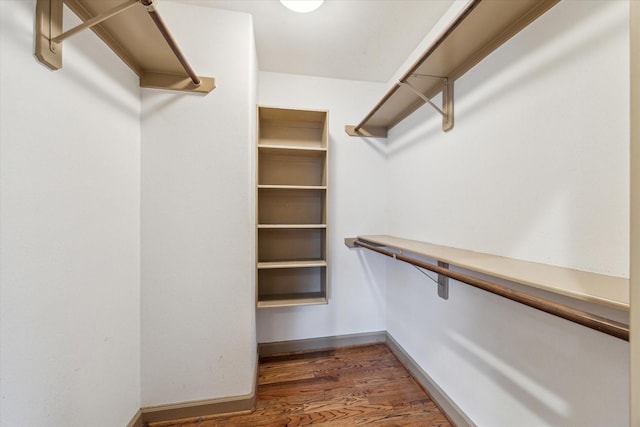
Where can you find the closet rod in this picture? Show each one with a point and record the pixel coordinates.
(157, 19)
(598, 323)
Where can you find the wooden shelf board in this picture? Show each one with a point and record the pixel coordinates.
(293, 117)
(481, 28)
(133, 36)
(291, 300)
(292, 187)
(291, 226)
(292, 264)
(596, 288)
(292, 149)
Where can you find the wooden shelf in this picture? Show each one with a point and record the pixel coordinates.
(481, 28)
(131, 34)
(289, 148)
(292, 264)
(299, 129)
(289, 205)
(278, 244)
(297, 286)
(596, 288)
(293, 226)
(287, 166)
(291, 300)
(292, 187)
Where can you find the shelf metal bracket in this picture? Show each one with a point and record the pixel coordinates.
(442, 282)
(49, 35)
(48, 26)
(447, 99)
(350, 242)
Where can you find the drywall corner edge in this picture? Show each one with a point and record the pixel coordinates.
(200, 408)
(634, 274)
(136, 421)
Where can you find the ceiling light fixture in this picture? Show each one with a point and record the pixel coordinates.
(302, 6)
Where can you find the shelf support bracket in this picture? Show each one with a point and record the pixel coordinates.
(366, 131)
(48, 26)
(350, 242)
(447, 99)
(443, 282)
(49, 35)
(95, 20)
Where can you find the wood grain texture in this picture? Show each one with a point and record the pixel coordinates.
(344, 387)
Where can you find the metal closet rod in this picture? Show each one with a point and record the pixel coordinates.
(598, 323)
(157, 19)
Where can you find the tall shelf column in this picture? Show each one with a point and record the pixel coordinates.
(292, 194)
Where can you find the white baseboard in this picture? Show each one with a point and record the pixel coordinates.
(322, 343)
(448, 406)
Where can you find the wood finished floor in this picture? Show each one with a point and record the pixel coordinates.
(345, 387)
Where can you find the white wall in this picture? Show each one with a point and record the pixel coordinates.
(357, 185)
(553, 139)
(198, 316)
(536, 168)
(70, 226)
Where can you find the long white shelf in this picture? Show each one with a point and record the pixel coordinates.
(597, 288)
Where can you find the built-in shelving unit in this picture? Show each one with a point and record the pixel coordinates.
(480, 28)
(292, 187)
(133, 29)
(601, 289)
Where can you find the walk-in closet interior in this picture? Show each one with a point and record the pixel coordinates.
(188, 187)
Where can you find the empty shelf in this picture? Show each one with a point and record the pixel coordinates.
(596, 288)
(480, 29)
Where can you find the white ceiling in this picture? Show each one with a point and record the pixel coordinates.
(344, 39)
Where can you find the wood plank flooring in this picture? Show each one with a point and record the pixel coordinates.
(345, 387)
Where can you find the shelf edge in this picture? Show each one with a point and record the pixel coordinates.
(292, 302)
(268, 265)
(482, 263)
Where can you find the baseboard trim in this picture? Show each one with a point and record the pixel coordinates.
(200, 408)
(446, 404)
(318, 344)
(136, 421)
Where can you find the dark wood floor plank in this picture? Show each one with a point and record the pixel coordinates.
(353, 386)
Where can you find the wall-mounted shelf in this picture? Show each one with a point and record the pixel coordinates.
(596, 288)
(133, 29)
(481, 28)
(292, 210)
